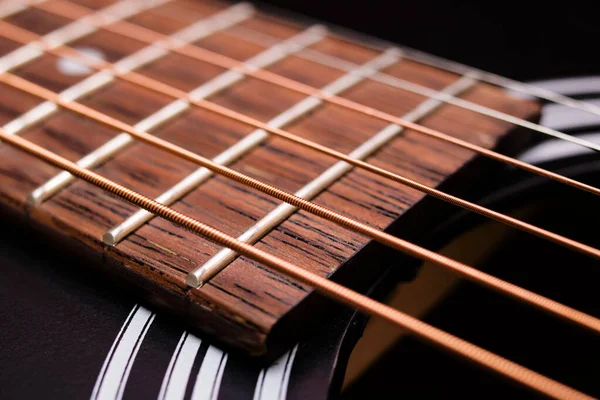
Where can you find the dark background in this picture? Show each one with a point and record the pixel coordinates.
(526, 40)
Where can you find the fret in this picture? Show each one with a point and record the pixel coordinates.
(261, 228)
(262, 60)
(74, 31)
(219, 21)
(393, 81)
(243, 303)
(501, 81)
(313, 55)
(249, 142)
(20, 56)
(63, 36)
(8, 8)
(443, 64)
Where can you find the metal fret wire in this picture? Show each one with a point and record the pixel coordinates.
(247, 143)
(461, 69)
(329, 288)
(96, 81)
(419, 321)
(277, 216)
(424, 91)
(389, 80)
(375, 234)
(409, 248)
(171, 110)
(170, 91)
(205, 55)
(74, 30)
(502, 81)
(8, 8)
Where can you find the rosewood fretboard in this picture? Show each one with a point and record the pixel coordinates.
(243, 303)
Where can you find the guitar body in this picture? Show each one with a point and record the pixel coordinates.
(79, 333)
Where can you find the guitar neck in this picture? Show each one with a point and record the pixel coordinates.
(240, 302)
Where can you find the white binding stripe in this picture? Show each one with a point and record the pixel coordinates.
(292, 114)
(272, 383)
(178, 373)
(112, 379)
(221, 20)
(317, 185)
(112, 350)
(208, 381)
(169, 372)
(226, 79)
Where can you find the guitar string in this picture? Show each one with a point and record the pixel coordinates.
(329, 288)
(244, 33)
(512, 222)
(407, 247)
(441, 63)
(457, 68)
(51, 94)
(139, 33)
(264, 39)
(18, 34)
(501, 81)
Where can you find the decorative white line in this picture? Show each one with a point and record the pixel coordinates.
(180, 367)
(226, 79)
(274, 218)
(113, 376)
(272, 383)
(202, 28)
(208, 381)
(112, 350)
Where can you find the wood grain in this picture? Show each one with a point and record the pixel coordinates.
(246, 306)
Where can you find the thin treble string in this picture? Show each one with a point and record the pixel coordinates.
(500, 81)
(409, 248)
(395, 82)
(143, 34)
(19, 34)
(337, 292)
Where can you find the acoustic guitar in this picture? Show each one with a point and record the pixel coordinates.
(210, 200)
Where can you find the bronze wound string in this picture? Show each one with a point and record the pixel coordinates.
(463, 270)
(127, 29)
(393, 81)
(331, 289)
(560, 391)
(476, 74)
(23, 36)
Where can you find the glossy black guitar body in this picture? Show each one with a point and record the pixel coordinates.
(66, 336)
